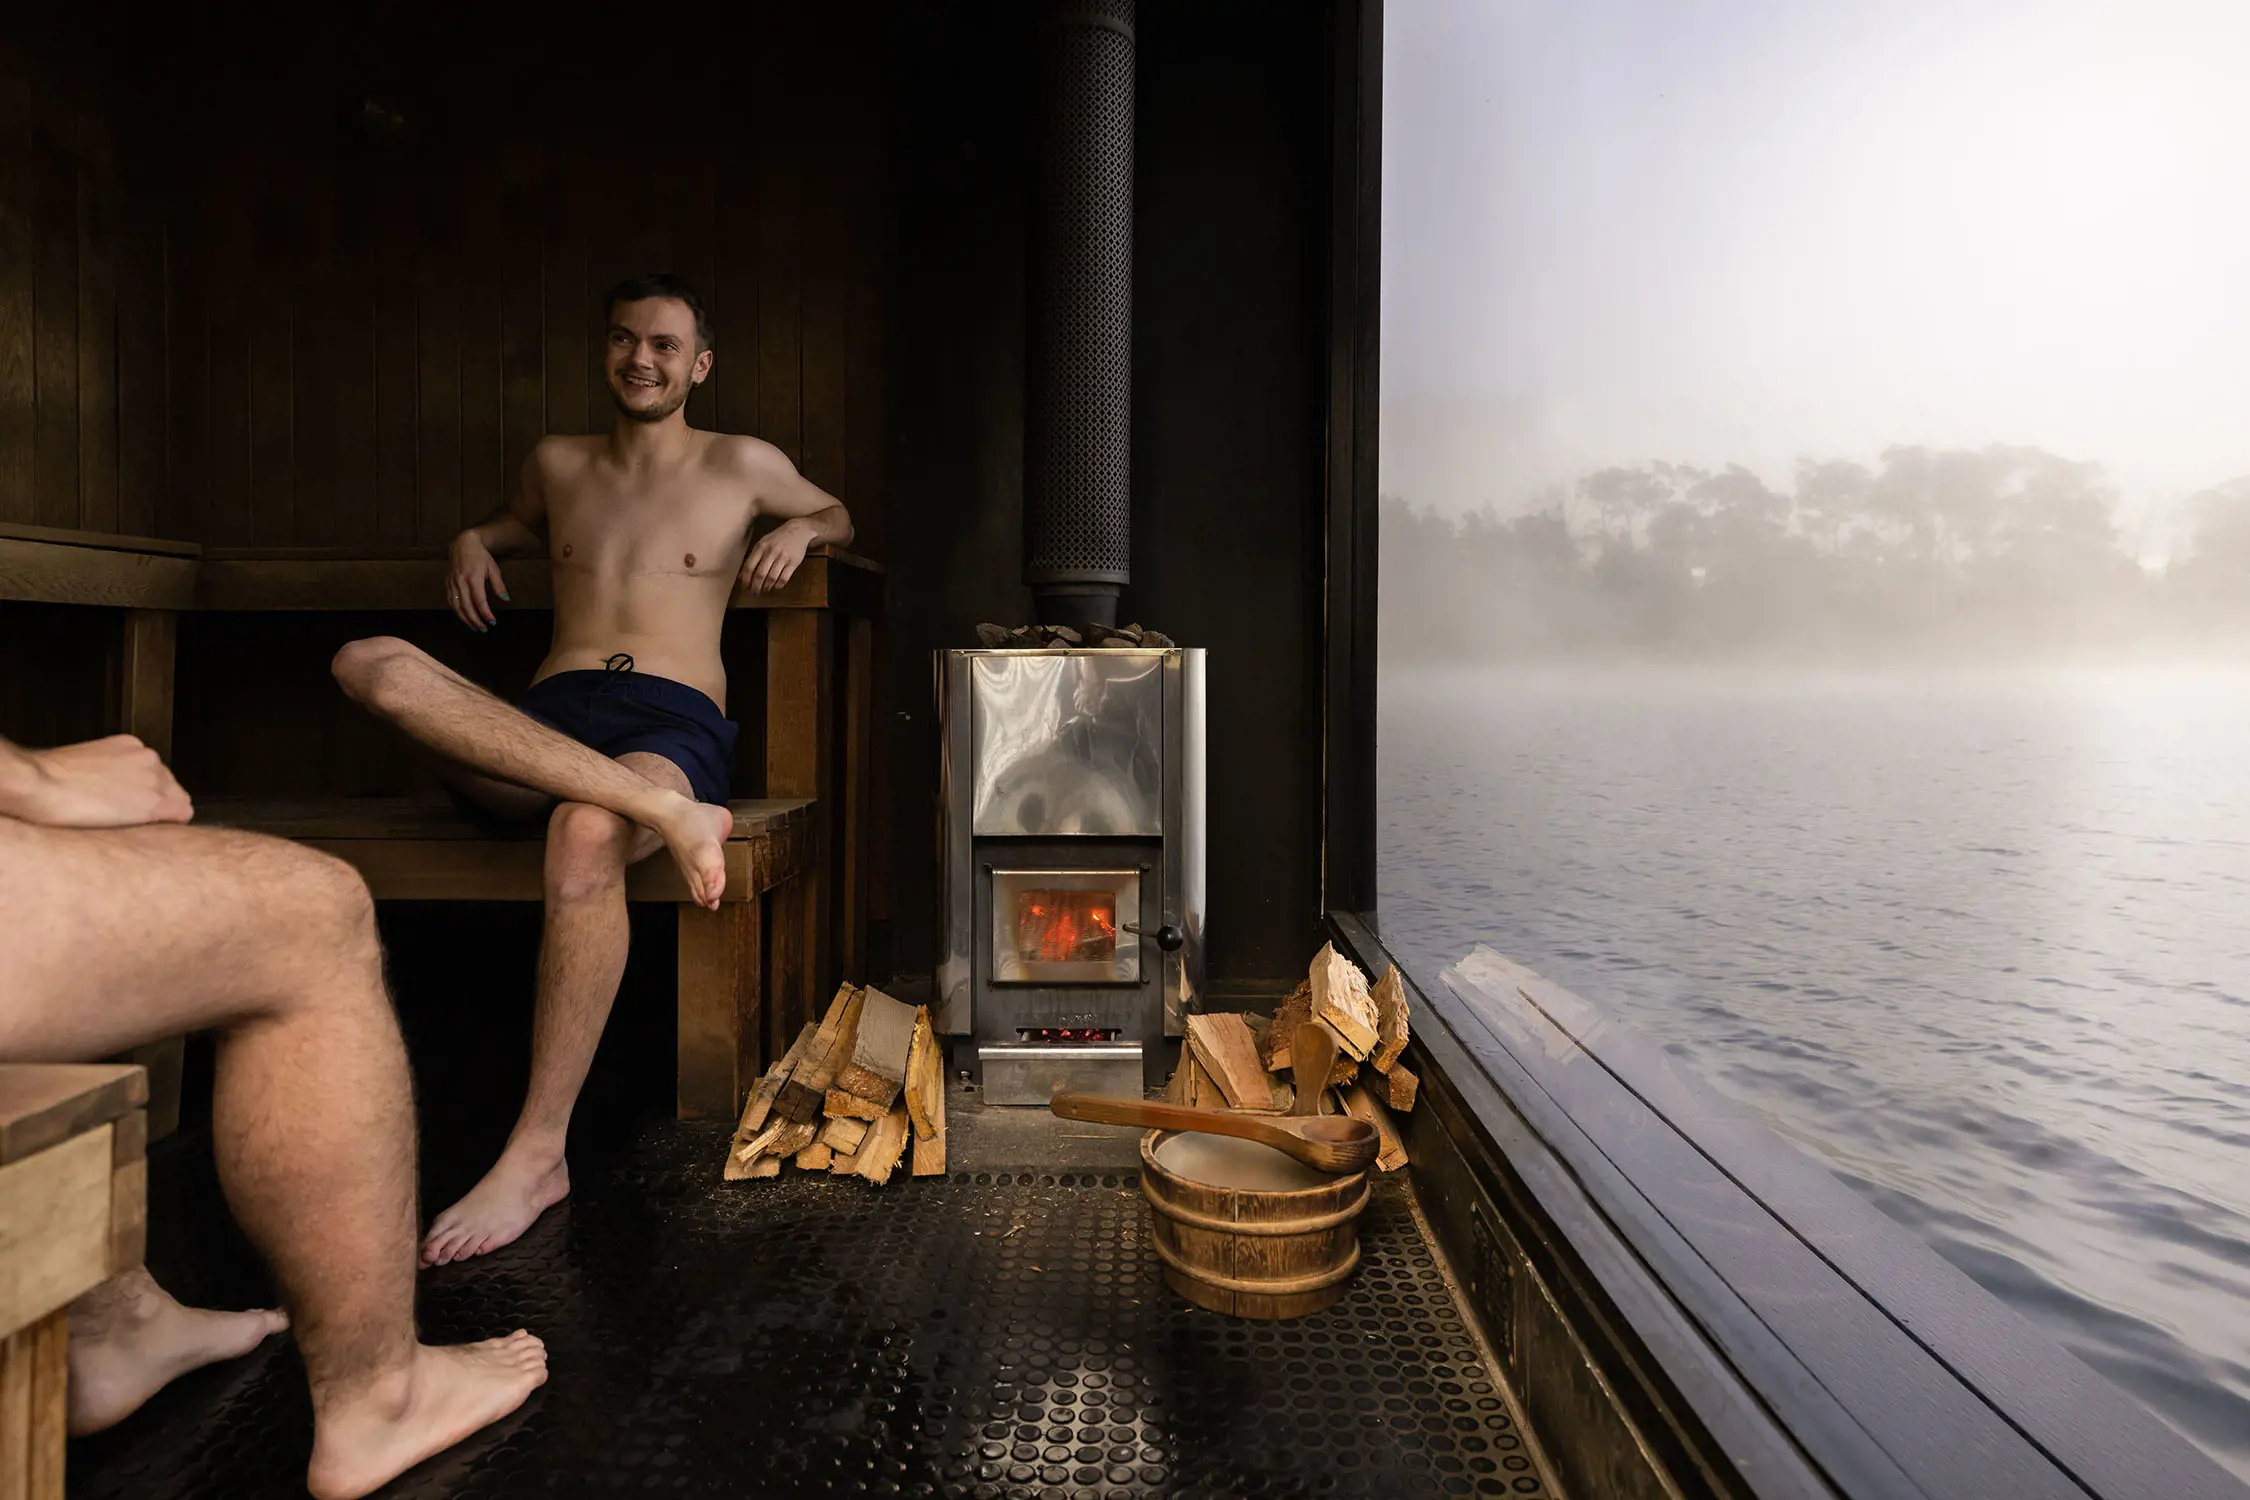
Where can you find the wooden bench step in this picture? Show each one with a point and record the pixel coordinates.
(424, 849)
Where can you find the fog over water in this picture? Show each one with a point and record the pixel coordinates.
(1816, 597)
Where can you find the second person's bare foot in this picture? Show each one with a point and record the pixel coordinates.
(365, 1441)
(521, 1186)
(697, 833)
(129, 1338)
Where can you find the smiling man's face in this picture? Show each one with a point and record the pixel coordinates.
(653, 360)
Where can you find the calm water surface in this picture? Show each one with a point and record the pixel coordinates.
(1978, 942)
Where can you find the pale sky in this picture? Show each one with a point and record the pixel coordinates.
(1740, 230)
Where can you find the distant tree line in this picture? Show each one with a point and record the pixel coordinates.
(1932, 552)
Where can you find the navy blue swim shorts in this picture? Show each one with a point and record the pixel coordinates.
(621, 710)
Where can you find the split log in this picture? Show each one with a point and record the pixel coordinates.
(815, 1157)
(925, 1082)
(794, 1138)
(1340, 998)
(844, 1133)
(741, 1158)
(1192, 1086)
(765, 1166)
(841, 1105)
(875, 1067)
(843, 1164)
(1226, 1050)
(1389, 996)
(763, 1097)
(1273, 1046)
(925, 1101)
(1390, 1151)
(807, 1089)
(886, 1142)
(1404, 1087)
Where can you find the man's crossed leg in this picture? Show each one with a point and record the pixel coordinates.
(606, 815)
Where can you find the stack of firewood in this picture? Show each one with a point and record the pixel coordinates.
(850, 1097)
(1244, 1062)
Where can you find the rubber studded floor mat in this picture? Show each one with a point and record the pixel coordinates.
(986, 1336)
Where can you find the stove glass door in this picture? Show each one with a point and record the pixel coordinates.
(1065, 926)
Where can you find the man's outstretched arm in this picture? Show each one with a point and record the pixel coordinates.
(518, 526)
(810, 515)
(116, 782)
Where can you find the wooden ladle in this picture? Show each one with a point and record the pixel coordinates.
(1326, 1143)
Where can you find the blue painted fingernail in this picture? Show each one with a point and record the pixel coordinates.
(504, 595)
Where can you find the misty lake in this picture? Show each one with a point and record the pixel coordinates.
(1978, 941)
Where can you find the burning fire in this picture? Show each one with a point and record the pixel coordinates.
(1063, 927)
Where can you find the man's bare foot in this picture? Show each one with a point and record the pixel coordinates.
(521, 1186)
(697, 833)
(363, 1442)
(129, 1339)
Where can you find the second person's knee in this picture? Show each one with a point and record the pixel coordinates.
(586, 848)
(363, 668)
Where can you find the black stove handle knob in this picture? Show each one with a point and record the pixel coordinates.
(1168, 937)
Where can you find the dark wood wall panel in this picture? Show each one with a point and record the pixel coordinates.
(386, 286)
(81, 335)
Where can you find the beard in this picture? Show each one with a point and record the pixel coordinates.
(671, 403)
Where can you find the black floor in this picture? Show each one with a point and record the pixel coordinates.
(982, 1335)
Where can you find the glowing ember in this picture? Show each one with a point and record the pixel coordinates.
(1066, 927)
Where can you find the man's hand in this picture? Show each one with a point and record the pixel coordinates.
(113, 783)
(773, 561)
(472, 580)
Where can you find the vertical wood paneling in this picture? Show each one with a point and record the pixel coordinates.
(695, 255)
(97, 322)
(564, 312)
(352, 319)
(776, 127)
(397, 371)
(523, 404)
(426, 300)
(734, 284)
(237, 303)
(485, 479)
(142, 411)
(824, 248)
(437, 293)
(316, 507)
(18, 387)
(272, 340)
(54, 228)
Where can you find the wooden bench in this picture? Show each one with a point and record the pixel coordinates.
(73, 1213)
(821, 649)
(737, 1000)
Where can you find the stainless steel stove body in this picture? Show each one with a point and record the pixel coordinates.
(1073, 863)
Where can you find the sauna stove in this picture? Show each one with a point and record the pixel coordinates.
(1072, 850)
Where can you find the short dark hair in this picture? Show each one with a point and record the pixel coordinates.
(661, 284)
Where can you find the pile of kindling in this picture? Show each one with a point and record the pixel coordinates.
(851, 1097)
(1243, 1062)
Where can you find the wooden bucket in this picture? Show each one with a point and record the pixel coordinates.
(1250, 1252)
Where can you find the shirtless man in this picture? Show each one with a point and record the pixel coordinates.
(122, 927)
(622, 743)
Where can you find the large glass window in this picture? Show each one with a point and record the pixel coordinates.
(1816, 598)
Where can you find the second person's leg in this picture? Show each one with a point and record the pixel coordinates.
(582, 953)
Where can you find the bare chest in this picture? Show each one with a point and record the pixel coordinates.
(686, 526)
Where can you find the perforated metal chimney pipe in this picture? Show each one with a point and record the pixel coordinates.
(1079, 417)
